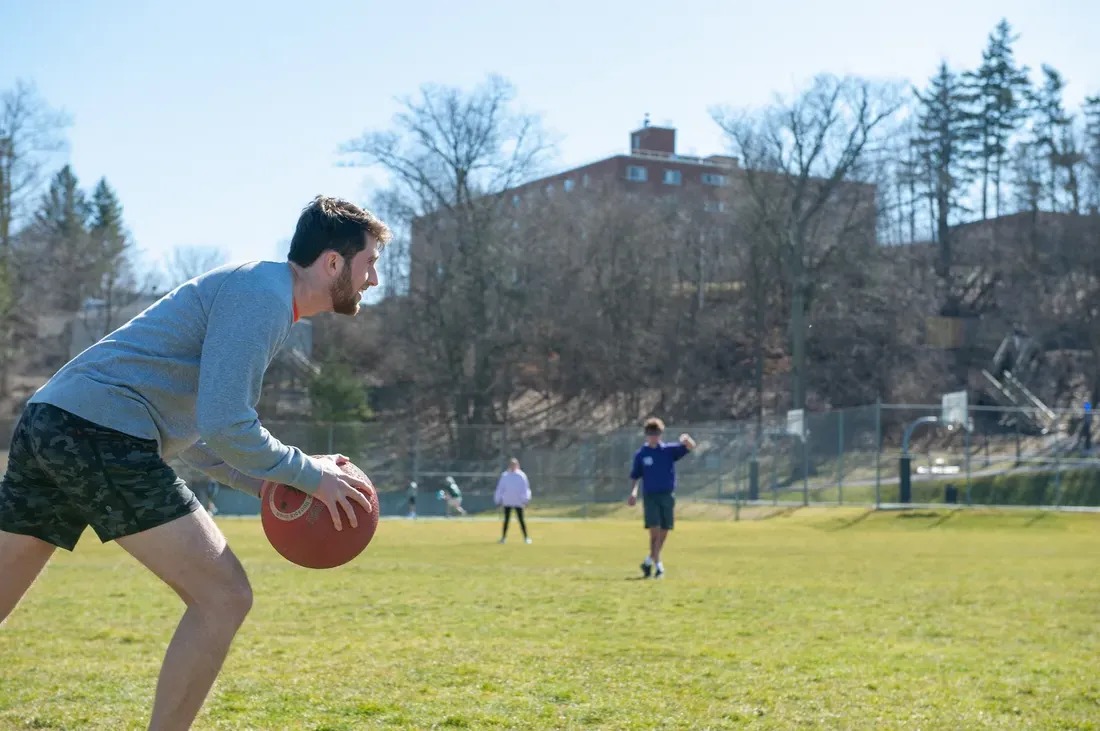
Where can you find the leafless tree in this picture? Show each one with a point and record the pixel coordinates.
(450, 155)
(187, 262)
(806, 162)
(31, 134)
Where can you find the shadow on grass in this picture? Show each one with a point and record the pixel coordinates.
(1038, 516)
(782, 513)
(942, 519)
(845, 524)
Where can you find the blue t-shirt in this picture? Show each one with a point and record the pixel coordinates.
(654, 466)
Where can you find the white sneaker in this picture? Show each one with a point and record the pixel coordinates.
(501, 541)
(526, 540)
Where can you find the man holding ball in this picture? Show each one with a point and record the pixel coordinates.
(182, 380)
(655, 467)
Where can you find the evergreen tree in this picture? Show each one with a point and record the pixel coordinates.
(1050, 122)
(1028, 175)
(61, 241)
(111, 247)
(64, 210)
(944, 132)
(84, 245)
(1092, 148)
(1000, 92)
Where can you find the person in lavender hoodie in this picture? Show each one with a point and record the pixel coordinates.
(513, 492)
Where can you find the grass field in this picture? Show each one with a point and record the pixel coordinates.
(809, 619)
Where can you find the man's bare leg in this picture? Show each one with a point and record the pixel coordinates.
(654, 546)
(660, 535)
(190, 555)
(21, 560)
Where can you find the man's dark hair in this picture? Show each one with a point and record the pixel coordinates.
(334, 224)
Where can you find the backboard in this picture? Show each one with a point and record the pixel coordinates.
(956, 411)
(796, 423)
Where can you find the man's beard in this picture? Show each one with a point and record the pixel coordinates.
(345, 297)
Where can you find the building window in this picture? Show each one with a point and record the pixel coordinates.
(673, 177)
(515, 201)
(567, 184)
(714, 206)
(549, 188)
(636, 173)
(637, 140)
(584, 180)
(714, 179)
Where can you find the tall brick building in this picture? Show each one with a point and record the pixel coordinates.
(651, 167)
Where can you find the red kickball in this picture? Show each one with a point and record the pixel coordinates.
(300, 527)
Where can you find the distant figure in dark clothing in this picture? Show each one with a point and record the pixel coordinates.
(1086, 428)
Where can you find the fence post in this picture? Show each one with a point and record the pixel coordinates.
(330, 440)
(840, 457)
(736, 493)
(966, 426)
(721, 474)
(416, 452)
(1016, 420)
(1057, 480)
(878, 452)
(805, 467)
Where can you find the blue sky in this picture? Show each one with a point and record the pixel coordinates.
(217, 121)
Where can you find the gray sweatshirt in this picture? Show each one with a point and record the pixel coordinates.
(187, 372)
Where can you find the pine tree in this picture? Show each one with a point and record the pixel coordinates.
(1000, 92)
(1092, 149)
(64, 210)
(1050, 122)
(60, 237)
(1028, 175)
(111, 246)
(944, 132)
(106, 227)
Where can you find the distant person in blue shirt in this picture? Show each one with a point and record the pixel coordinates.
(655, 467)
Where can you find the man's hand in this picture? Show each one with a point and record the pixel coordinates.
(337, 488)
(633, 499)
(687, 441)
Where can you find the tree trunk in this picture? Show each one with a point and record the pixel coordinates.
(997, 185)
(985, 184)
(798, 329)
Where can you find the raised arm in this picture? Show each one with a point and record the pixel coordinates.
(687, 444)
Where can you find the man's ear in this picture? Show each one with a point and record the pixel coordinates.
(332, 262)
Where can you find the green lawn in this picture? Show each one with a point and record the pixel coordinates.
(811, 618)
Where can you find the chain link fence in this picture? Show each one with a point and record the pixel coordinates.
(847, 456)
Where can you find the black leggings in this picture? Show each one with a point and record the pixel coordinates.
(508, 516)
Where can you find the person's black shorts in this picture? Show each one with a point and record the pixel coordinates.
(66, 473)
(658, 508)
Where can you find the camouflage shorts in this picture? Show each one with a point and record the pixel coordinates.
(66, 473)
